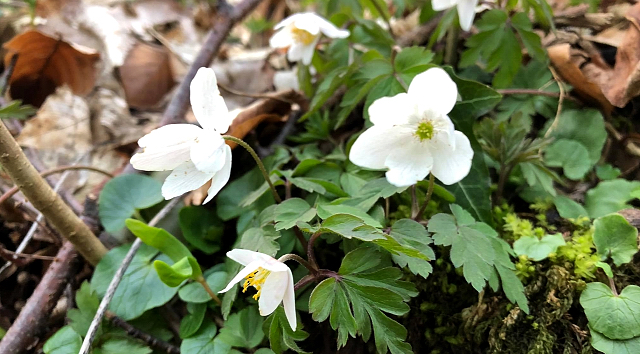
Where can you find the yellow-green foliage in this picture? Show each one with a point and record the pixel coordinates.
(581, 252)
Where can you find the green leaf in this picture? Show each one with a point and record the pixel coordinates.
(201, 228)
(605, 172)
(325, 211)
(571, 155)
(612, 315)
(16, 110)
(140, 289)
(243, 329)
(609, 197)
(281, 336)
(412, 61)
(530, 39)
(605, 268)
(470, 248)
(585, 126)
(612, 346)
(119, 346)
(291, 211)
(87, 302)
(537, 175)
(125, 194)
(65, 341)
(614, 237)
(569, 209)
(194, 292)
(538, 248)
(204, 342)
(330, 83)
(329, 298)
(412, 233)
(228, 201)
(261, 239)
(192, 322)
(174, 275)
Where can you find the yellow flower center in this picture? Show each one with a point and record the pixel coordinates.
(302, 36)
(424, 131)
(256, 279)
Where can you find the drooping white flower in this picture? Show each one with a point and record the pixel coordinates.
(196, 155)
(466, 10)
(413, 136)
(301, 33)
(271, 278)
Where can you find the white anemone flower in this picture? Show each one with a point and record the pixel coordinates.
(466, 10)
(413, 136)
(271, 278)
(196, 155)
(301, 33)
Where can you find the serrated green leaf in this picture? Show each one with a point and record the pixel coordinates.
(291, 211)
(412, 233)
(530, 39)
(614, 237)
(327, 210)
(538, 248)
(612, 315)
(125, 194)
(16, 110)
(87, 303)
(261, 239)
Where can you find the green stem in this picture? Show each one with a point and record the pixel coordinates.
(427, 199)
(258, 162)
(206, 287)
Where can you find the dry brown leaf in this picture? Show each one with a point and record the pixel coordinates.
(45, 63)
(146, 75)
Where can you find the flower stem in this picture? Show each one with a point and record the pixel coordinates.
(206, 287)
(310, 253)
(300, 260)
(427, 199)
(258, 162)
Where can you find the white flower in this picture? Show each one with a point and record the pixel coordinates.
(271, 278)
(412, 135)
(466, 10)
(196, 155)
(301, 33)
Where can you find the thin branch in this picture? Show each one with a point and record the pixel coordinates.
(115, 281)
(46, 200)
(152, 341)
(52, 171)
(560, 100)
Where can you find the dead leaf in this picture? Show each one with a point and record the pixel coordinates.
(45, 63)
(146, 75)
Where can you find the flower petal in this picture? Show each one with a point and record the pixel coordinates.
(207, 104)
(184, 178)
(330, 30)
(466, 13)
(408, 164)
(288, 20)
(439, 5)
(207, 153)
(395, 110)
(372, 147)
(272, 292)
(246, 257)
(281, 39)
(289, 302)
(250, 268)
(434, 90)
(309, 22)
(165, 148)
(452, 165)
(221, 177)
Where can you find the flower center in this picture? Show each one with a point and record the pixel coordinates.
(256, 279)
(424, 131)
(302, 36)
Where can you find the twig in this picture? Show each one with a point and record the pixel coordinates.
(48, 202)
(37, 310)
(52, 171)
(117, 277)
(152, 341)
(554, 124)
(9, 255)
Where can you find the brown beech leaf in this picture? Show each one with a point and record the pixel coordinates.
(146, 75)
(45, 63)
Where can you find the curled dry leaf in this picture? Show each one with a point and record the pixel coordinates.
(45, 63)
(146, 75)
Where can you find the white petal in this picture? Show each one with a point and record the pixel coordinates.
(221, 177)
(207, 153)
(288, 20)
(206, 102)
(372, 147)
(452, 165)
(434, 90)
(395, 110)
(409, 164)
(466, 13)
(184, 178)
(439, 5)
(165, 148)
(289, 302)
(281, 39)
(250, 268)
(272, 292)
(330, 30)
(245, 257)
(295, 52)
(307, 51)
(309, 22)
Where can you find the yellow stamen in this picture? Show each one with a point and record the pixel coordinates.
(424, 131)
(302, 36)
(256, 279)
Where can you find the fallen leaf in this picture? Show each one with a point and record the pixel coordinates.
(146, 75)
(45, 63)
